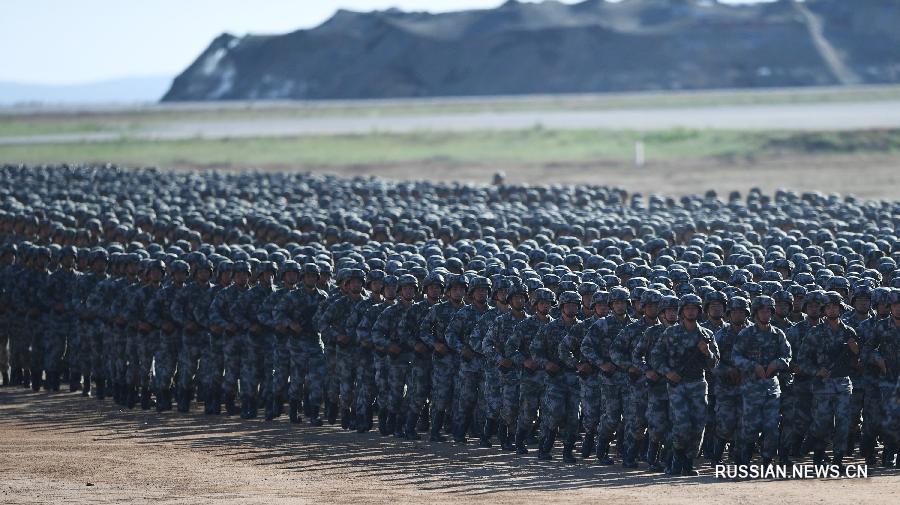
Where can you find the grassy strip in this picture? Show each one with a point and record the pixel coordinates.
(534, 145)
(126, 120)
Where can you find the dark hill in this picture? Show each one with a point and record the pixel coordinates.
(521, 48)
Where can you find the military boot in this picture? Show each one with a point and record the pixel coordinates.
(687, 466)
(887, 455)
(490, 427)
(868, 449)
(36, 377)
(184, 400)
(231, 408)
(629, 458)
(505, 437)
(100, 390)
(568, 457)
(587, 445)
(362, 422)
(461, 428)
(717, 451)
(314, 419)
(436, 422)
(26, 378)
(521, 441)
(412, 422)
(653, 457)
(603, 451)
(545, 446)
(331, 412)
(294, 412)
(86, 385)
(131, 397)
(383, 422)
(74, 384)
(5, 375)
(345, 419)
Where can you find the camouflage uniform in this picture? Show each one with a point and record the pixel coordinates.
(386, 332)
(827, 348)
(418, 381)
(531, 383)
(194, 337)
(165, 355)
(86, 325)
(613, 385)
(636, 392)
(883, 343)
(222, 314)
(433, 329)
(96, 304)
(333, 324)
(212, 358)
(307, 357)
(502, 396)
(658, 423)
(559, 409)
(373, 365)
(727, 386)
(761, 397)
(676, 351)
(460, 335)
(799, 408)
(256, 343)
(59, 337)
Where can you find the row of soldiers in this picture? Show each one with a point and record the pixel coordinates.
(515, 357)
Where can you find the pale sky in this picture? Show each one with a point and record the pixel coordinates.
(75, 41)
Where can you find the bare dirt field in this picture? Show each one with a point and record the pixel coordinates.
(62, 448)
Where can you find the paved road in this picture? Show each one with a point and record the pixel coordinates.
(827, 116)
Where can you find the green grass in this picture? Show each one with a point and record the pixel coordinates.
(135, 119)
(536, 145)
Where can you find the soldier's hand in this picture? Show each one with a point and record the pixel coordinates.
(467, 353)
(703, 345)
(231, 327)
(673, 377)
(506, 363)
(634, 370)
(584, 368)
(59, 307)
(394, 349)
(733, 376)
(168, 327)
(652, 375)
(215, 328)
(255, 328)
(882, 366)
(530, 364)
(551, 367)
(295, 327)
(608, 367)
(772, 369)
(853, 345)
(441, 348)
(823, 373)
(760, 371)
(420, 348)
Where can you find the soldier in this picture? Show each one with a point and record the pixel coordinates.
(460, 338)
(256, 340)
(714, 303)
(296, 311)
(683, 354)
(882, 350)
(799, 416)
(139, 343)
(861, 303)
(490, 374)
(532, 378)
(333, 327)
(636, 392)
(223, 324)
(281, 358)
(587, 376)
(501, 377)
(418, 381)
(385, 335)
(658, 424)
(60, 287)
(560, 402)
(159, 315)
(727, 383)
(364, 386)
(760, 352)
(213, 353)
(613, 382)
(828, 354)
(90, 306)
(433, 331)
(194, 337)
(7, 261)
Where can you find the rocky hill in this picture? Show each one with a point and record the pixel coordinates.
(526, 48)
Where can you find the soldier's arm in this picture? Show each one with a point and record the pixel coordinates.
(566, 351)
(659, 355)
(538, 348)
(619, 351)
(589, 346)
(453, 335)
(426, 329)
(513, 346)
(738, 357)
(713, 359)
(381, 328)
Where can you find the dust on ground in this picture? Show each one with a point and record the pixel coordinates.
(62, 448)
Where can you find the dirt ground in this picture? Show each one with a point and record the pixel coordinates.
(62, 448)
(866, 176)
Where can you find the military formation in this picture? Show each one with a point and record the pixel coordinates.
(626, 329)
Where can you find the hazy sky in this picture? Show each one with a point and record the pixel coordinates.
(69, 41)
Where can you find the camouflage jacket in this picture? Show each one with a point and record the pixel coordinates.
(493, 347)
(676, 351)
(518, 345)
(300, 306)
(598, 343)
(755, 347)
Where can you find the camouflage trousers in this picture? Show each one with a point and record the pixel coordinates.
(4, 349)
(364, 386)
(345, 370)
(55, 349)
(95, 351)
(832, 413)
(559, 409)
(165, 359)
(509, 396)
(531, 392)
(873, 409)
(398, 371)
(759, 417)
(256, 364)
(19, 354)
(636, 410)
(857, 403)
(443, 371)
(797, 410)
(468, 388)
(189, 359)
(120, 354)
(82, 353)
(382, 377)
(214, 359)
(36, 347)
(728, 414)
(491, 390)
(687, 408)
(659, 424)
(281, 363)
(418, 383)
(591, 403)
(133, 357)
(890, 425)
(332, 386)
(614, 398)
(307, 369)
(232, 349)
